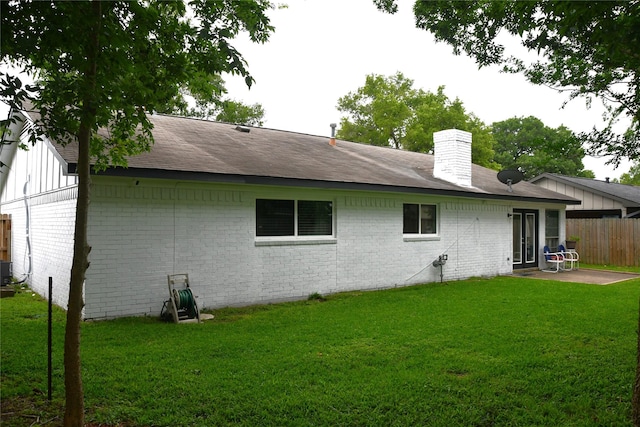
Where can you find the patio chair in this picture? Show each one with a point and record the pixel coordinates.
(571, 258)
(554, 260)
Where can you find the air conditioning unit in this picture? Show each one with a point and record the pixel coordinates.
(5, 273)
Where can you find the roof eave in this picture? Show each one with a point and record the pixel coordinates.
(309, 183)
(624, 201)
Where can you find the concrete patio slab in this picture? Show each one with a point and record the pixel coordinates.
(595, 277)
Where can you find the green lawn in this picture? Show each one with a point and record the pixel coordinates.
(610, 268)
(483, 352)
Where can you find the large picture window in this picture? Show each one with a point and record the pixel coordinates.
(294, 217)
(419, 219)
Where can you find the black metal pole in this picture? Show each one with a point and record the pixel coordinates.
(49, 343)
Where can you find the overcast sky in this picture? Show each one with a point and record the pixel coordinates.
(323, 49)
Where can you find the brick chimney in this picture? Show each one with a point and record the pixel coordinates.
(452, 162)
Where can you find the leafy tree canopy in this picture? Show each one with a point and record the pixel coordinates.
(204, 96)
(632, 177)
(533, 148)
(588, 48)
(239, 113)
(389, 111)
(148, 54)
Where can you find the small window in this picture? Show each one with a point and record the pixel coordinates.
(419, 219)
(314, 218)
(274, 217)
(552, 229)
(294, 218)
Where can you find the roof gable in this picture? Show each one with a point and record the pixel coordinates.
(628, 195)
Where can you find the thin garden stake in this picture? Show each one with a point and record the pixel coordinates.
(49, 340)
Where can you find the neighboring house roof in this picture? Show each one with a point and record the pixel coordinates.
(627, 195)
(194, 149)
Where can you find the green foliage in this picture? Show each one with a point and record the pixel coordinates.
(633, 176)
(148, 52)
(504, 351)
(203, 89)
(610, 268)
(316, 296)
(525, 143)
(584, 47)
(206, 93)
(242, 114)
(389, 111)
(378, 112)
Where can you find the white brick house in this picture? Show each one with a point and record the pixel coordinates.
(256, 215)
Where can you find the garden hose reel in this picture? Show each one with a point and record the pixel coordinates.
(184, 308)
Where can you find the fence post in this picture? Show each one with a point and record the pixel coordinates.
(49, 367)
(5, 237)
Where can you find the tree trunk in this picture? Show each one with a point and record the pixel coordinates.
(74, 394)
(635, 401)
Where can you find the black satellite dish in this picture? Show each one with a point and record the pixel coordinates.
(510, 176)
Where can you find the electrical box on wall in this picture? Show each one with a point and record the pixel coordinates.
(5, 273)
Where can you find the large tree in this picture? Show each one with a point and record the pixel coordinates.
(107, 65)
(389, 111)
(587, 48)
(525, 143)
(633, 176)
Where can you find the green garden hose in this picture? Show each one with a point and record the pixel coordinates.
(185, 301)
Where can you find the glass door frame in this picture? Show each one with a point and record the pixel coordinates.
(525, 238)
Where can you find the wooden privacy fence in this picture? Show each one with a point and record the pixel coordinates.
(5, 237)
(608, 241)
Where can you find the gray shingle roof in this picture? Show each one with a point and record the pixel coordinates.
(628, 195)
(187, 148)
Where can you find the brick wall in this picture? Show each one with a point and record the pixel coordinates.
(38, 177)
(483, 239)
(139, 234)
(51, 220)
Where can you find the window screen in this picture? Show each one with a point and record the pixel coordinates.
(284, 217)
(315, 218)
(274, 217)
(411, 219)
(427, 219)
(552, 229)
(419, 219)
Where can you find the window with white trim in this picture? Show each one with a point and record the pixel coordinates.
(552, 229)
(419, 219)
(294, 218)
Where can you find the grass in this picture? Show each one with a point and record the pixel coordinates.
(610, 268)
(482, 352)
